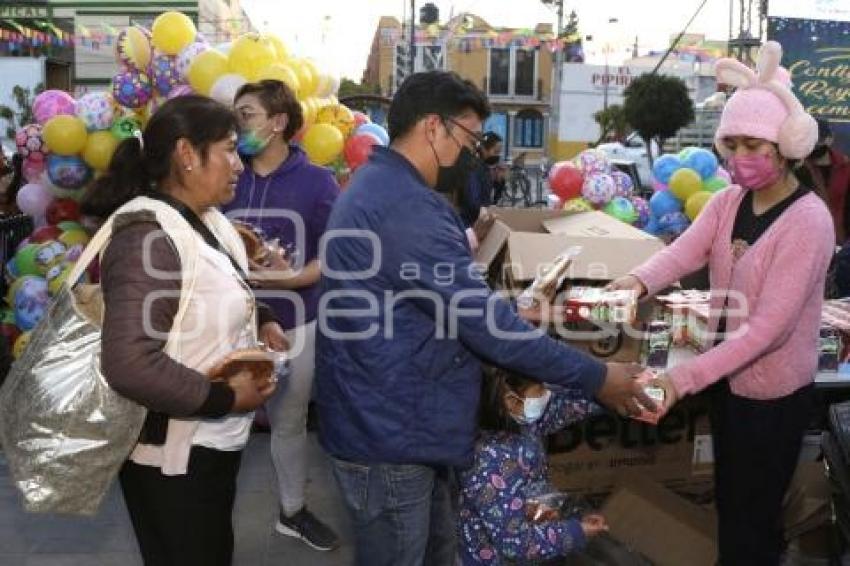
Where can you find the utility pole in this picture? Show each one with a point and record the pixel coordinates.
(555, 115)
(412, 36)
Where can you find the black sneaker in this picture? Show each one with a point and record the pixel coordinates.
(307, 527)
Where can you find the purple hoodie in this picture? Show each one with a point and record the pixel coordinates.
(297, 193)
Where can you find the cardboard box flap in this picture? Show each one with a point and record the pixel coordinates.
(594, 224)
(493, 243)
(662, 526)
(601, 259)
(526, 219)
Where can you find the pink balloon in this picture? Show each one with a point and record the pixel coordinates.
(658, 185)
(33, 170)
(52, 103)
(723, 174)
(33, 199)
(180, 90)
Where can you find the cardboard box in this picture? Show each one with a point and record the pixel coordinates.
(807, 501)
(667, 529)
(591, 456)
(522, 243)
(534, 238)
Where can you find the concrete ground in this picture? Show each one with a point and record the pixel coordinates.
(107, 539)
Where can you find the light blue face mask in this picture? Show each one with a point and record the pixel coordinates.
(533, 408)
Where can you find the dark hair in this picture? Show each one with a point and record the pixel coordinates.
(434, 92)
(490, 139)
(492, 413)
(138, 166)
(276, 98)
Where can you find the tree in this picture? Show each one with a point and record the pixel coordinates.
(573, 49)
(347, 87)
(657, 106)
(612, 119)
(23, 116)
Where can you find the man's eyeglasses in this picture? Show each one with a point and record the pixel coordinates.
(477, 137)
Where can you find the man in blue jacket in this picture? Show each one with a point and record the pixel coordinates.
(404, 321)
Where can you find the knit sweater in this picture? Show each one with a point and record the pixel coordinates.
(774, 301)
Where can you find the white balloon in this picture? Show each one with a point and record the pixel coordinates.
(323, 88)
(334, 88)
(224, 47)
(224, 89)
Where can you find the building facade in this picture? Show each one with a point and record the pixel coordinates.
(78, 36)
(512, 66)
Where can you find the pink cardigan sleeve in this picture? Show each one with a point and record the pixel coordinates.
(795, 271)
(689, 252)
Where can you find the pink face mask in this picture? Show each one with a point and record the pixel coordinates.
(754, 172)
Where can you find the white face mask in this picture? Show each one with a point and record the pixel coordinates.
(533, 407)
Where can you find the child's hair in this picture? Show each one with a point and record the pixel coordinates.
(492, 413)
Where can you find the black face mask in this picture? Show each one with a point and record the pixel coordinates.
(455, 177)
(492, 160)
(819, 151)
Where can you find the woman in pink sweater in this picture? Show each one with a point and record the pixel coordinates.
(768, 241)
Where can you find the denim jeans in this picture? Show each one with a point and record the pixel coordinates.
(403, 514)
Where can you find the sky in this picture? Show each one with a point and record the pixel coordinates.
(338, 33)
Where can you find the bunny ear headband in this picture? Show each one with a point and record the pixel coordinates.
(799, 131)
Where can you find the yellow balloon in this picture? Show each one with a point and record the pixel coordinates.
(21, 344)
(250, 55)
(73, 238)
(337, 115)
(281, 51)
(172, 32)
(65, 135)
(304, 71)
(323, 143)
(282, 73)
(308, 113)
(99, 149)
(134, 47)
(684, 183)
(206, 69)
(696, 203)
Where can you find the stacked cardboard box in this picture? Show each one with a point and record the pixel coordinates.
(523, 244)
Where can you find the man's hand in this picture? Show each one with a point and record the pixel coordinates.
(543, 314)
(622, 393)
(272, 335)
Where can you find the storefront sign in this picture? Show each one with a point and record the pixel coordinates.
(817, 53)
(23, 11)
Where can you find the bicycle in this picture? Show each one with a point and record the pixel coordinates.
(517, 189)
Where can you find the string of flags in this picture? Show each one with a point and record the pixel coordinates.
(524, 38)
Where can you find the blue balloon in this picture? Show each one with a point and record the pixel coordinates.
(665, 166)
(376, 130)
(68, 171)
(703, 162)
(652, 227)
(664, 202)
(673, 223)
(12, 272)
(31, 303)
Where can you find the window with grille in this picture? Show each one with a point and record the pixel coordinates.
(528, 129)
(500, 71)
(524, 72)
